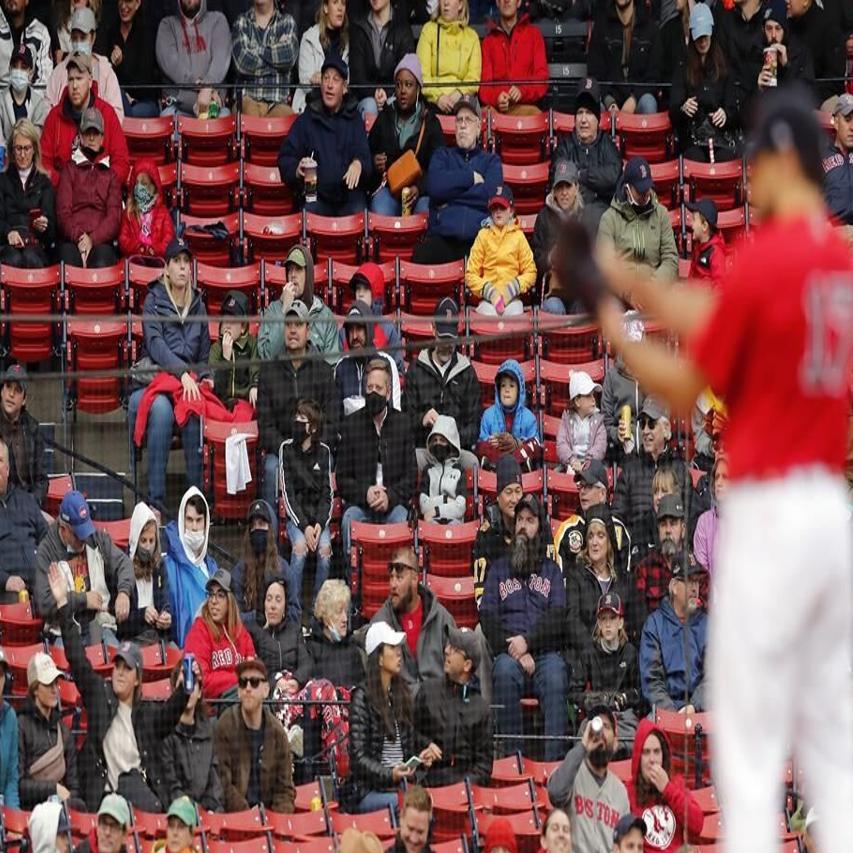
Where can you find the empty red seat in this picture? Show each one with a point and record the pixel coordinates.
(95, 290)
(562, 492)
(57, 486)
(139, 276)
(340, 238)
(262, 137)
(529, 186)
(499, 338)
(423, 286)
(208, 141)
(519, 140)
(210, 190)
(566, 342)
(215, 282)
(18, 626)
(214, 435)
(207, 247)
(667, 179)
(29, 292)
(340, 296)
(732, 225)
(379, 822)
(150, 138)
(17, 659)
(457, 595)
(446, 548)
(96, 346)
(264, 192)
(722, 182)
(396, 236)
(271, 239)
(646, 135)
(119, 531)
(169, 181)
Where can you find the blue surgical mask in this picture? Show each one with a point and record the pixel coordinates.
(19, 79)
(73, 552)
(82, 47)
(334, 634)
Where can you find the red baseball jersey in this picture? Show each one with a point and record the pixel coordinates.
(778, 349)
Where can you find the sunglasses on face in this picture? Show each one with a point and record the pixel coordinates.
(253, 681)
(400, 568)
(647, 423)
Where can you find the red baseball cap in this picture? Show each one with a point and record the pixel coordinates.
(501, 198)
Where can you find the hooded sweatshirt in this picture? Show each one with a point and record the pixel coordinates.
(663, 812)
(620, 389)
(443, 486)
(146, 233)
(187, 573)
(385, 334)
(234, 378)
(644, 238)
(43, 824)
(518, 420)
(323, 329)
(193, 49)
(500, 262)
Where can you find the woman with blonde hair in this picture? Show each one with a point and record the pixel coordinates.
(336, 657)
(218, 639)
(449, 51)
(60, 28)
(27, 211)
(330, 35)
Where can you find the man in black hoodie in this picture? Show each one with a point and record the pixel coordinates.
(20, 430)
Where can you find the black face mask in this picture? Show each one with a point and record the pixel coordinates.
(441, 452)
(374, 403)
(91, 153)
(299, 429)
(258, 541)
(144, 556)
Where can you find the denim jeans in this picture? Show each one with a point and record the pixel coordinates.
(395, 515)
(550, 683)
(355, 203)
(299, 554)
(158, 440)
(385, 204)
(553, 305)
(269, 484)
(140, 109)
(373, 801)
(647, 104)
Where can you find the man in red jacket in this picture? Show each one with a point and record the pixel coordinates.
(662, 800)
(61, 134)
(513, 56)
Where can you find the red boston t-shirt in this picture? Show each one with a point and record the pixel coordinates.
(778, 349)
(411, 624)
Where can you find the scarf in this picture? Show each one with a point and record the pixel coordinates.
(407, 128)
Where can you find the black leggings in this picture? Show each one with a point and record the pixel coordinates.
(103, 255)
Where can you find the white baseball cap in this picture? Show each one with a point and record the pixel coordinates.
(581, 384)
(42, 670)
(379, 634)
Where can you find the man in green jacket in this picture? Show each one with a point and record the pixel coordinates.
(637, 225)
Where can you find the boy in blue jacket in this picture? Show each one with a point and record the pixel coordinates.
(508, 426)
(8, 743)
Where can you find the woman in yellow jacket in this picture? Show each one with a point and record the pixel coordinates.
(501, 265)
(449, 51)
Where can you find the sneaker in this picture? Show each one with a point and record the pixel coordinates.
(294, 736)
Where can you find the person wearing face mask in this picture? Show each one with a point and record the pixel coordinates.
(84, 27)
(98, 575)
(260, 565)
(376, 478)
(88, 201)
(146, 225)
(336, 657)
(21, 100)
(637, 226)
(150, 615)
(584, 784)
(188, 565)
(443, 487)
(305, 473)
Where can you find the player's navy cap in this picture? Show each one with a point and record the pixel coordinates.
(844, 105)
(593, 474)
(670, 507)
(707, 208)
(626, 823)
(639, 175)
(502, 198)
(612, 602)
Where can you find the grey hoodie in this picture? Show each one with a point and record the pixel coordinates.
(190, 50)
(443, 484)
(620, 389)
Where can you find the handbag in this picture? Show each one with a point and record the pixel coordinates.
(50, 765)
(406, 171)
(143, 371)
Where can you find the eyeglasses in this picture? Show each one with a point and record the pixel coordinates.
(647, 423)
(400, 568)
(217, 595)
(22, 149)
(467, 120)
(253, 681)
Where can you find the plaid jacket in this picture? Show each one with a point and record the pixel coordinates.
(263, 57)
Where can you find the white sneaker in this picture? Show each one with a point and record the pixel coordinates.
(294, 736)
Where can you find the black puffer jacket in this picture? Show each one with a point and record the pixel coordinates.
(281, 648)
(152, 721)
(190, 766)
(17, 200)
(341, 663)
(36, 735)
(458, 720)
(366, 736)
(599, 165)
(363, 67)
(598, 676)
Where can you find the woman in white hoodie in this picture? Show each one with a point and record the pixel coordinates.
(49, 829)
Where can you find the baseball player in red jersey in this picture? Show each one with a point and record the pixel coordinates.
(775, 341)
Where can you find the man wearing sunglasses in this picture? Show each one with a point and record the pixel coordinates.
(255, 764)
(632, 500)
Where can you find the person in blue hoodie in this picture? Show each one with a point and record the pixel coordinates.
(8, 743)
(188, 565)
(181, 348)
(670, 679)
(522, 615)
(331, 133)
(508, 426)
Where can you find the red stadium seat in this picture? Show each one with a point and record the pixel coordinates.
(499, 338)
(169, 181)
(722, 182)
(157, 661)
(529, 186)
(550, 428)
(732, 225)
(305, 845)
(372, 547)
(274, 277)
(646, 135)
(82, 823)
(263, 191)
(18, 626)
(378, 822)
(17, 658)
(57, 486)
(340, 297)
(262, 137)
(340, 238)
(215, 282)
(706, 799)
(450, 811)
(150, 138)
(667, 183)
(446, 548)
(259, 844)
(510, 770)
(487, 373)
(562, 492)
(99, 656)
(510, 799)
(148, 824)
(139, 276)
(457, 595)
(207, 142)
(96, 346)
(454, 845)
(29, 292)
(207, 248)
(306, 793)
(395, 236)
(519, 140)
(210, 190)
(95, 291)
(568, 344)
(527, 223)
(555, 379)
(271, 239)
(214, 434)
(423, 286)
(233, 826)
(298, 825)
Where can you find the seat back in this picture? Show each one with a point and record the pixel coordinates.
(265, 193)
(447, 548)
(212, 248)
(262, 137)
(215, 282)
(423, 286)
(23, 292)
(722, 182)
(519, 140)
(270, 239)
(340, 238)
(499, 338)
(97, 346)
(207, 142)
(529, 185)
(647, 135)
(209, 191)
(95, 291)
(150, 138)
(396, 236)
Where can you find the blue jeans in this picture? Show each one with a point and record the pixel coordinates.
(158, 440)
(355, 203)
(385, 204)
(395, 515)
(553, 305)
(647, 104)
(550, 683)
(373, 801)
(269, 485)
(139, 109)
(299, 554)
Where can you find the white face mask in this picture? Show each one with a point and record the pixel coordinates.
(81, 47)
(194, 540)
(19, 79)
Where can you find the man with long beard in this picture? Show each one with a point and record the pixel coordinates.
(585, 788)
(522, 615)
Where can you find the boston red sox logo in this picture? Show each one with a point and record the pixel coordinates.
(660, 826)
